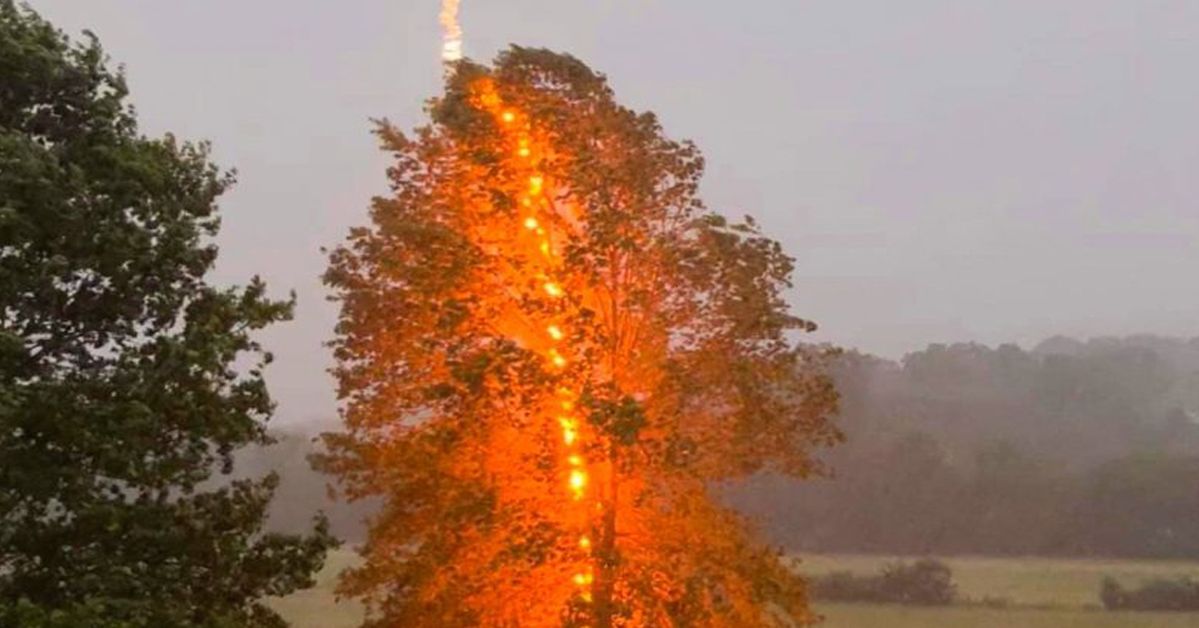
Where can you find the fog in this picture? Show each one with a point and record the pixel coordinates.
(942, 171)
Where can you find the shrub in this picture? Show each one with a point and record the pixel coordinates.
(843, 586)
(926, 582)
(992, 601)
(1181, 594)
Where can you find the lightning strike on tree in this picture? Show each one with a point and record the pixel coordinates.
(516, 126)
(571, 444)
(451, 39)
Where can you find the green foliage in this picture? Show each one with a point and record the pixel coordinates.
(118, 392)
(95, 613)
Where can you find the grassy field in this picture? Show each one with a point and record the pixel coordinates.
(318, 607)
(1044, 593)
(1038, 582)
(870, 616)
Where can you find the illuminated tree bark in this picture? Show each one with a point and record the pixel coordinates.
(550, 355)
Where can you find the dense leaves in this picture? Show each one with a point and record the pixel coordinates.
(680, 360)
(118, 392)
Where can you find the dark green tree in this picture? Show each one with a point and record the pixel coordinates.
(119, 388)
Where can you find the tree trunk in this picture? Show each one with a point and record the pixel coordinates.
(606, 559)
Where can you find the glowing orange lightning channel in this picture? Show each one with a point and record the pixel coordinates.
(515, 125)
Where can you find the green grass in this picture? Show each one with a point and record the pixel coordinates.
(1045, 593)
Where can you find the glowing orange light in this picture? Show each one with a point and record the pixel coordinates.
(532, 200)
(578, 480)
(570, 431)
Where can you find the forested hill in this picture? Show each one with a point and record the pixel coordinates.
(1076, 404)
(1071, 448)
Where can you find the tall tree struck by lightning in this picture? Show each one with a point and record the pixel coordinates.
(551, 356)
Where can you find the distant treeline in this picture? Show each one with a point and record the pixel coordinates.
(1070, 449)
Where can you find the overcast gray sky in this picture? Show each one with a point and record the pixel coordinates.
(942, 170)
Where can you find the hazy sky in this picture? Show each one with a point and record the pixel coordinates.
(993, 171)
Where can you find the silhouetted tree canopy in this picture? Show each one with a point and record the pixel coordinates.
(118, 388)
